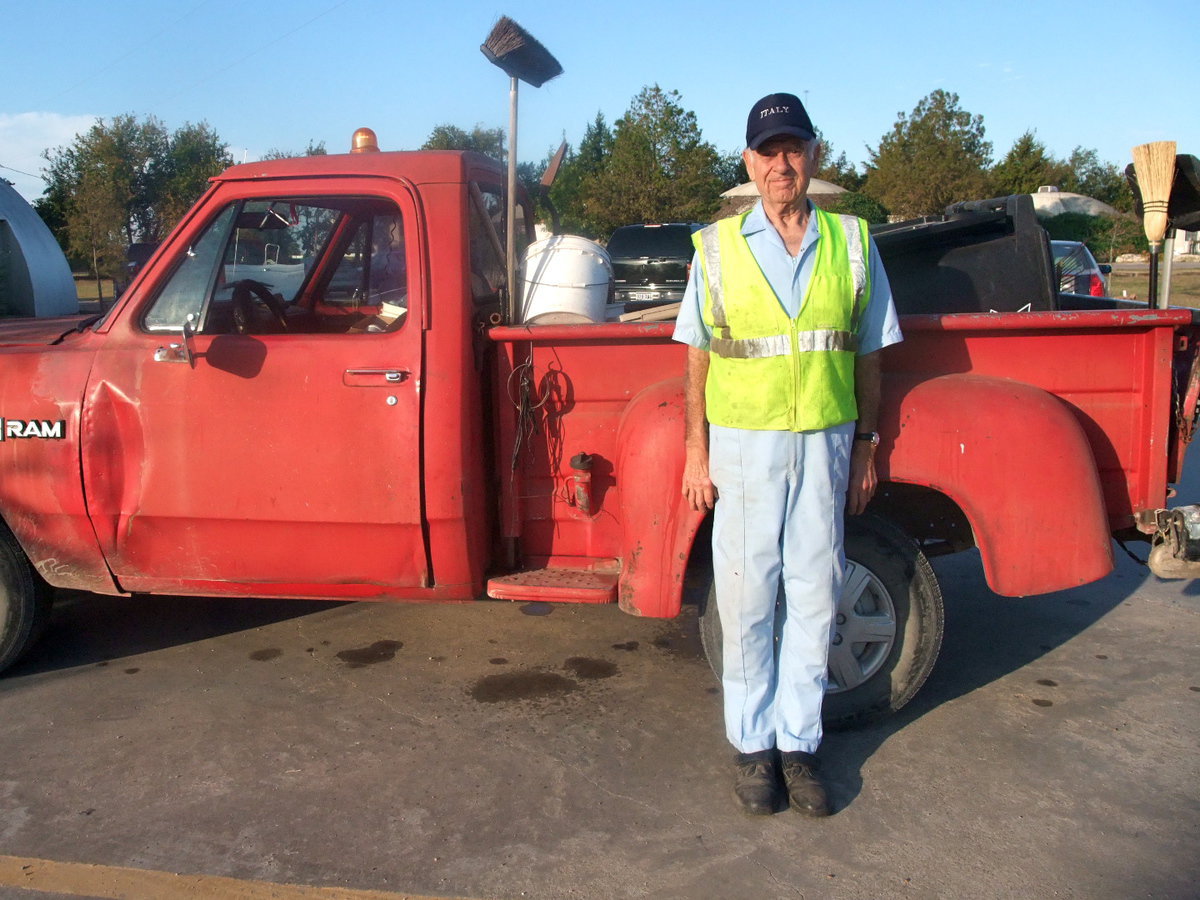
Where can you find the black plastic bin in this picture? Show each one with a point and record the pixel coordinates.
(982, 256)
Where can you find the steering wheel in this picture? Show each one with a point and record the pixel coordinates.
(247, 290)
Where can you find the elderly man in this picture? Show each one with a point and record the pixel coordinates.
(785, 313)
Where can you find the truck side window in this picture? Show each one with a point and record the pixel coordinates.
(488, 263)
(189, 284)
(487, 259)
(292, 266)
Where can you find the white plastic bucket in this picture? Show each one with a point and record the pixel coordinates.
(566, 280)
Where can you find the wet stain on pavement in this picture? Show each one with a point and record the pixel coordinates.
(591, 669)
(498, 661)
(628, 645)
(380, 651)
(132, 671)
(266, 654)
(663, 643)
(1046, 682)
(537, 609)
(1194, 688)
(1101, 656)
(1037, 701)
(521, 685)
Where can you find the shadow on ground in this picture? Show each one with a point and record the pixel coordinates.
(987, 637)
(86, 629)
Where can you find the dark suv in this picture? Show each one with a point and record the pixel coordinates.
(650, 263)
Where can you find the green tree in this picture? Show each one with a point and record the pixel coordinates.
(579, 168)
(1106, 236)
(124, 181)
(933, 157)
(195, 154)
(489, 141)
(660, 169)
(731, 170)
(1026, 167)
(317, 149)
(1089, 175)
(838, 169)
(854, 203)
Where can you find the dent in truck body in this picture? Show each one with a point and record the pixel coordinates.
(41, 493)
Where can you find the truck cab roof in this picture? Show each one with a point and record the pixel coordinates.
(417, 166)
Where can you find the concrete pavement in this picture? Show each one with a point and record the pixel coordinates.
(507, 751)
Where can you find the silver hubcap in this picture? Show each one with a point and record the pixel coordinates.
(864, 628)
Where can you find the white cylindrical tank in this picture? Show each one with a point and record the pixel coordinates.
(566, 280)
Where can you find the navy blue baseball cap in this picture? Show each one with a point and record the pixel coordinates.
(777, 114)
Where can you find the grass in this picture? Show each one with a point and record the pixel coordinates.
(85, 288)
(1185, 285)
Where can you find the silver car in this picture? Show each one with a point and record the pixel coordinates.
(1077, 270)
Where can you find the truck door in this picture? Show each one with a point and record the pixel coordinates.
(277, 450)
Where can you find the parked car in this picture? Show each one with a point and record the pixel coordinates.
(1077, 270)
(651, 262)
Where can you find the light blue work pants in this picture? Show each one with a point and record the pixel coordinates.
(778, 519)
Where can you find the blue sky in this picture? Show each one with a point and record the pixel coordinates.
(277, 74)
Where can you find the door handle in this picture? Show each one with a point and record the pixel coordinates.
(375, 377)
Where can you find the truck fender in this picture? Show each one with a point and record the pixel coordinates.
(658, 526)
(1016, 459)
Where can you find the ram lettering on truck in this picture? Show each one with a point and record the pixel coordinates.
(312, 390)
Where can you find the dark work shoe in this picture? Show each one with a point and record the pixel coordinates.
(757, 784)
(805, 791)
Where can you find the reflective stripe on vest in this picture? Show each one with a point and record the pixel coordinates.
(710, 251)
(769, 371)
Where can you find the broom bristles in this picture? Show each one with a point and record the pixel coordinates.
(1155, 167)
(519, 53)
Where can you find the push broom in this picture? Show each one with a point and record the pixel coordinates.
(1155, 167)
(522, 57)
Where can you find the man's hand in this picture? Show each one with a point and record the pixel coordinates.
(862, 455)
(698, 488)
(862, 477)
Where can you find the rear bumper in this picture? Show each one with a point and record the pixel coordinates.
(1175, 534)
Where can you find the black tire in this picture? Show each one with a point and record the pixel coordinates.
(25, 601)
(888, 579)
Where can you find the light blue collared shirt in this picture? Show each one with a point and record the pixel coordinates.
(789, 276)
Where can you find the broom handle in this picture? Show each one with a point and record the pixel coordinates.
(1168, 257)
(1153, 299)
(514, 302)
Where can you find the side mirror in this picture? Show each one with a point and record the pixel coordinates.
(1105, 269)
(183, 351)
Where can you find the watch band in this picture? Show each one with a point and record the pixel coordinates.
(872, 436)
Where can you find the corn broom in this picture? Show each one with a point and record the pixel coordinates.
(1155, 167)
(520, 56)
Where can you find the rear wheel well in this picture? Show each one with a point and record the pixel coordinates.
(929, 517)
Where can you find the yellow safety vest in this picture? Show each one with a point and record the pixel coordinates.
(768, 372)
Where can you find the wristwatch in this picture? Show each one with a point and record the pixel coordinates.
(872, 436)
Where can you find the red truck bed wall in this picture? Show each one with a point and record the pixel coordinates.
(1049, 430)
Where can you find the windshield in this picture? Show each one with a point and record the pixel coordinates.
(674, 241)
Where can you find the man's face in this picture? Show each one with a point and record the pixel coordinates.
(782, 167)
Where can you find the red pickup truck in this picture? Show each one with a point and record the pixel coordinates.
(310, 391)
